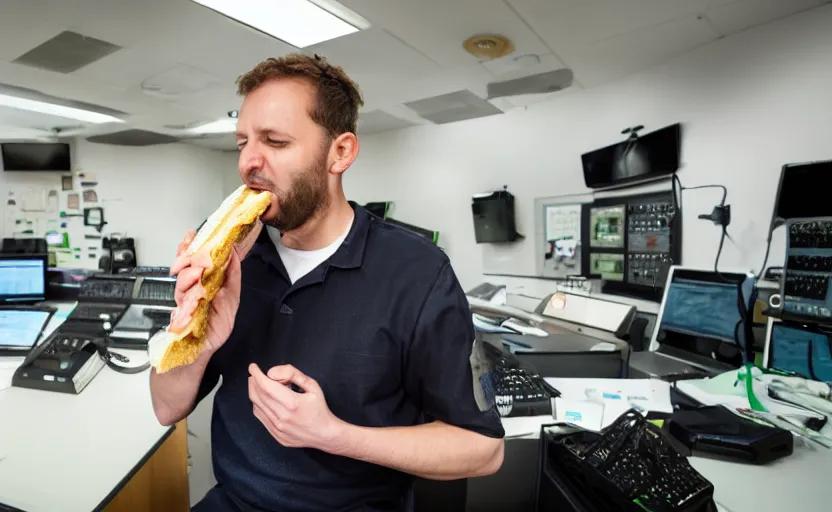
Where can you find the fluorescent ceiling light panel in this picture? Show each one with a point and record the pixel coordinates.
(52, 109)
(221, 126)
(300, 23)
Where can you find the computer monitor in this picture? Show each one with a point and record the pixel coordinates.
(803, 191)
(609, 266)
(606, 226)
(20, 328)
(801, 348)
(699, 318)
(22, 278)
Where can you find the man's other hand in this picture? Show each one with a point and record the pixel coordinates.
(295, 420)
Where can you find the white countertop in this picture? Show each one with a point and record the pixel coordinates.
(68, 453)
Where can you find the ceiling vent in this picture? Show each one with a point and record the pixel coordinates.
(380, 121)
(67, 52)
(541, 83)
(178, 81)
(133, 138)
(453, 107)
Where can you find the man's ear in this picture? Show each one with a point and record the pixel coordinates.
(344, 150)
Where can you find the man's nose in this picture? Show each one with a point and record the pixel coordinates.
(251, 160)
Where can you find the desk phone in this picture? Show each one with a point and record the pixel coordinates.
(65, 362)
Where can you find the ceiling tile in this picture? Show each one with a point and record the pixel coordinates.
(437, 28)
(575, 23)
(619, 56)
(380, 121)
(453, 107)
(743, 14)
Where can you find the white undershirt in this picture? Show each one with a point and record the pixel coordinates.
(298, 263)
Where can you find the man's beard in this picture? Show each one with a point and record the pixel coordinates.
(306, 197)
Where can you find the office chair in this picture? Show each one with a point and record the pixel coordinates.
(438, 495)
(590, 364)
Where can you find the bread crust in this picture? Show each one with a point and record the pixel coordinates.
(183, 347)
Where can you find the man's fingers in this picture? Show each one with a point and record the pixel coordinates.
(183, 245)
(182, 258)
(286, 374)
(187, 279)
(181, 262)
(279, 393)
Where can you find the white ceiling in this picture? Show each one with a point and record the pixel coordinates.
(413, 51)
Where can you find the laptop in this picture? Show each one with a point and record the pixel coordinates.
(21, 327)
(697, 328)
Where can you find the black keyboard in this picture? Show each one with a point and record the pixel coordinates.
(520, 391)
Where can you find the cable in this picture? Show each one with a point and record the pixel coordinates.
(675, 180)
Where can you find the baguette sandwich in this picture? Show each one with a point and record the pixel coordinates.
(181, 342)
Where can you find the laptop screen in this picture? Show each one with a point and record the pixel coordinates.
(20, 328)
(700, 315)
(22, 278)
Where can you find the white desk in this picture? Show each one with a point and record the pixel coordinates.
(798, 482)
(68, 453)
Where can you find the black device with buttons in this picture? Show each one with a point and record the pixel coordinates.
(804, 284)
(649, 240)
(65, 362)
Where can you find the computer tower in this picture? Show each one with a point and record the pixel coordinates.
(494, 217)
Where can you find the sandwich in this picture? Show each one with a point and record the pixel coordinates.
(181, 342)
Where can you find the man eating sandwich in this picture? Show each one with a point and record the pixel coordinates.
(343, 343)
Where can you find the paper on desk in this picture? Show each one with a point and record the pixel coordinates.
(727, 390)
(615, 395)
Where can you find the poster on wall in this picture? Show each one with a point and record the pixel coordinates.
(562, 243)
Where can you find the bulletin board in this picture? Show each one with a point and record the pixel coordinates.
(54, 209)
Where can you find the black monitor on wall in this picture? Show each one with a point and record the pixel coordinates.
(35, 156)
(647, 157)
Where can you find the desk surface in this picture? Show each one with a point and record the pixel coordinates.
(798, 482)
(72, 452)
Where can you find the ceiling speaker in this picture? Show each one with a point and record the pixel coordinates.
(488, 47)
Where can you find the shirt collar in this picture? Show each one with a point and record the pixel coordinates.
(349, 255)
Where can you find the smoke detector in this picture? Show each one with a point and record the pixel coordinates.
(488, 46)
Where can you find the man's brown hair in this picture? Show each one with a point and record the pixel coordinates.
(337, 97)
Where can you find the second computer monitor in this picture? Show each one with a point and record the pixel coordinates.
(700, 316)
(606, 226)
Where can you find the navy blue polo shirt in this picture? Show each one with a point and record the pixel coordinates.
(383, 326)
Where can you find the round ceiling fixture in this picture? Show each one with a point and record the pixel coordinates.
(489, 46)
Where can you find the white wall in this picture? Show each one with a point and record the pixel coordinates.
(153, 194)
(749, 103)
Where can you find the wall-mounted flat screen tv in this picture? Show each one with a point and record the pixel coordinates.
(647, 157)
(35, 156)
